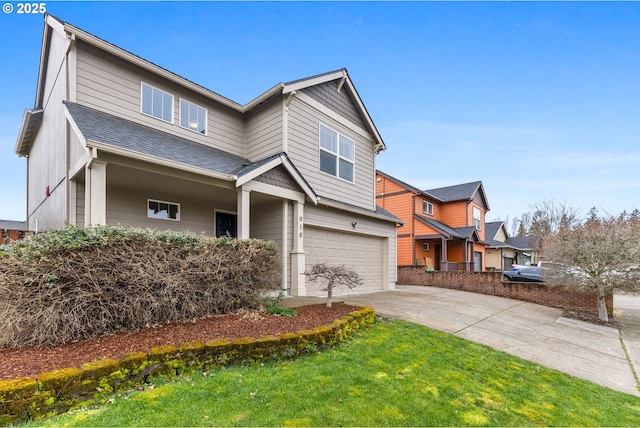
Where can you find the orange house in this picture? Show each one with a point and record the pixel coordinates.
(443, 229)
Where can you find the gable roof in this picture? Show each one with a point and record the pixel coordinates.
(467, 232)
(491, 230)
(123, 137)
(31, 120)
(406, 185)
(458, 192)
(524, 242)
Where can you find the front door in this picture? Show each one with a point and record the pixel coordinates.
(226, 224)
(477, 261)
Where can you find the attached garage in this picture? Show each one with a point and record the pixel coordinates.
(363, 253)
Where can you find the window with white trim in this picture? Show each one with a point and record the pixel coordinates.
(427, 207)
(163, 210)
(337, 154)
(156, 103)
(193, 117)
(477, 218)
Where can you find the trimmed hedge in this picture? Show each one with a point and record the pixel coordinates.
(61, 390)
(82, 283)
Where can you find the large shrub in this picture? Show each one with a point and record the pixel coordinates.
(81, 283)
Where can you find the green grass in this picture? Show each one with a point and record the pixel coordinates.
(394, 374)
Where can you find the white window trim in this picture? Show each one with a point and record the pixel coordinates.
(206, 117)
(477, 222)
(338, 156)
(425, 246)
(429, 210)
(163, 202)
(142, 85)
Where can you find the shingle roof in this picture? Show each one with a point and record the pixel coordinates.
(524, 242)
(490, 232)
(13, 225)
(458, 192)
(382, 211)
(454, 232)
(121, 133)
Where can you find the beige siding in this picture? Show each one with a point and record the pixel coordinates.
(76, 150)
(80, 197)
(341, 221)
(129, 189)
(266, 221)
(112, 85)
(47, 161)
(362, 253)
(304, 151)
(264, 131)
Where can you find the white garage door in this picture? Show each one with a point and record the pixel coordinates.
(362, 253)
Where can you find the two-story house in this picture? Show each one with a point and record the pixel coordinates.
(443, 228)
(115, 139)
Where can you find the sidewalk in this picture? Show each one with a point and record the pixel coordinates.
(533, 332)
(626, 310)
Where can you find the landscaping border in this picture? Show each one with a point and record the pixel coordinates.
(491, 283)
(60, 390)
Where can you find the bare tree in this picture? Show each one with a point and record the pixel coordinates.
(551, 217)
(330, 277)
(600, 256)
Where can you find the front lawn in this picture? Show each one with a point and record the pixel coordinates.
(394, 374)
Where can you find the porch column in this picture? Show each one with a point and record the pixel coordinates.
(95, 209)
(443, 263)
(244, 213)
(298, 287)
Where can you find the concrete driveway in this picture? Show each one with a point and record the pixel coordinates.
(533, 332)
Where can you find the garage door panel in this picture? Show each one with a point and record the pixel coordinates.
(362, 253)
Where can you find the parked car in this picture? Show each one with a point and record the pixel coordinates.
(525, 274)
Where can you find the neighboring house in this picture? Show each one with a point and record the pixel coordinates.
(443, 228)
(503, 252)
(499, 254)
(12, 230)
(527, 249)
(115, 139)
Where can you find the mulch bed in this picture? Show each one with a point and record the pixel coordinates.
(33, 361)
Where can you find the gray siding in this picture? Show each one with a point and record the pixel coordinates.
(76, 149)
(129, 189)
(304, 152)
(80, 195)
(266, 221)
(264, 130)
(47, 161)
(340, 102)
(109, 84)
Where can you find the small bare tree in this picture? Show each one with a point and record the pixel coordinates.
(330, 277)
(602, 255)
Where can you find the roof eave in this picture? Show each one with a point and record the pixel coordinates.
(31, 120)
(379, 145)
(356, 210)
(127, 56)
(108, 148)
(277, 89)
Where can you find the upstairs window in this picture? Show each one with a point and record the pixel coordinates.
(156, 103)
(163, 210)
(427, 207)
(337, 154)
(477, 218)
(193, 117)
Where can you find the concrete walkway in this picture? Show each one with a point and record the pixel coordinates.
(533, 332)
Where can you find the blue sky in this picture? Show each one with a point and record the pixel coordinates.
(540, 101)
